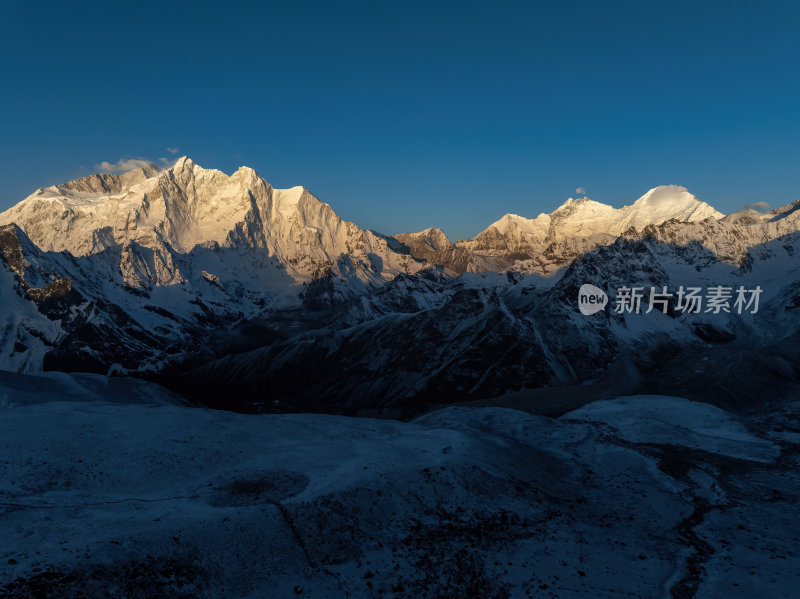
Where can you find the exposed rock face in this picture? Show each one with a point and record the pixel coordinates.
(433, 246)
(428, 242)
(12, 253)
(11, 250)
(108, 184)
(731, 238)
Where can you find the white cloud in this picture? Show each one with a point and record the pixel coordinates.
(172, 151)
(757, 206)
(580, 190)
(123, 165)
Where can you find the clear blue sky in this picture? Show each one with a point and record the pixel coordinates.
(404, 115)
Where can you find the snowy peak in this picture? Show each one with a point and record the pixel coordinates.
(186, 206)
(432, 239)
(183, 163)
(579, 225)
(585, 216)
(183, 206)
(667, 202)
(783, 212)
(108, 184)
(573, 205)
(514, 222)
(434, 247)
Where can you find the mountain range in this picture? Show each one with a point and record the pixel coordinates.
(255, 298)
(511, 444)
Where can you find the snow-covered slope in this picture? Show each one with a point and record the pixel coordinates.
(129, 307)
(730, 238)
(116, 499)
(17, 390)
(478, 337)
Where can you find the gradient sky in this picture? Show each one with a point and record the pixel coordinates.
(405, 115)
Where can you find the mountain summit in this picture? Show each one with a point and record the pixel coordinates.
(586, 223)
(667, 202)
(186, 206)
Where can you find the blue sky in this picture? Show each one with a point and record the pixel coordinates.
(408, 115)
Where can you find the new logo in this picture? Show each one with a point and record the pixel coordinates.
(591, 299)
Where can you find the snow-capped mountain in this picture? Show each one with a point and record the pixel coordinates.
(433, 246)
(490, 334)
(268, 297)
(552, 240)
(187, 206)
(730, 238)
(430, 240)
(152, 264)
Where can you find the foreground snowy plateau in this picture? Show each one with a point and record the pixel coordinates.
(114, 488)
(251, 298)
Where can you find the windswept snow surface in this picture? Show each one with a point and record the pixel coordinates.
(17, 390)
(617, 499)
(643, 419)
